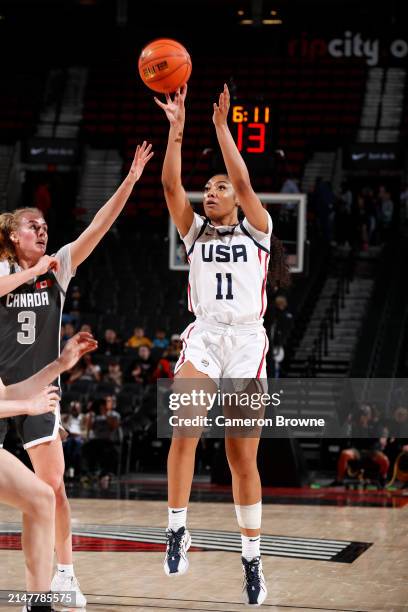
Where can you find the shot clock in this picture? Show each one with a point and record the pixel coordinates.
(253, 128)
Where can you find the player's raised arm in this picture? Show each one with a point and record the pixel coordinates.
(176, 199)
(83, 246)
(236, 167)
(75, 348)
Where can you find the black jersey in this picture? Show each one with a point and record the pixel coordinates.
(30, 318)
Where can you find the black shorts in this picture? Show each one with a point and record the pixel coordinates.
(34, 430)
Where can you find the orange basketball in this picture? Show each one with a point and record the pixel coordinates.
(164, 65)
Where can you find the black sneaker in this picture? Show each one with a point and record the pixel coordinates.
(178, 543)
(254, 589)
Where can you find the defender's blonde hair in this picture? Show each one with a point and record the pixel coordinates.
(9, 222)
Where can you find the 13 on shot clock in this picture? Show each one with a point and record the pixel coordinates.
(252, 125)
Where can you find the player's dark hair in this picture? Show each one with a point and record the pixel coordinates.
(278, 273)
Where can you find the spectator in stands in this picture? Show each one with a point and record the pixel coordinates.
(346, 196)
(172, 353)
(323, 200)
(85, 369)
(160, 340)
(86, 328)
(103, 426)
(114, 374)
(369, 439)
(360, 223)
(74, 305)
(386, 210)
(139, 339)
(398, 432)
(136, 374)
(146, 364)
(404, 203)
(110, 345)
(92, 371)
(75, 423)
(342, 225)
(163, 369)
(67, 332)
(281, 326)
(42, 198)
(290, 185)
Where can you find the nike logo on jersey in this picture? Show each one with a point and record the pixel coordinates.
(27, 300)
(176, 511)
(224, 253)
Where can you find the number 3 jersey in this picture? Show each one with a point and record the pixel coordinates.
(30, 318)
(228, 271)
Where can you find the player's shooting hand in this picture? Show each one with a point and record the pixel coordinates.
(175, 108)
(46, 401)
(75, 348)
(143, 154)
(220, 114)
(45, 263)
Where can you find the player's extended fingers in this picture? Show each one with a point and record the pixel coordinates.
(146, 159)
(52, 389)
(53, 397)
(168, 99)
(160, 103)
(87, 347)
(83, 335)
(184, 91)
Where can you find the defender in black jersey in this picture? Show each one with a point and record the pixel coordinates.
(19, 487)
(32, 290)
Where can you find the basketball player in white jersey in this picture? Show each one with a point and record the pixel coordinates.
(226, 292)
(19, 486)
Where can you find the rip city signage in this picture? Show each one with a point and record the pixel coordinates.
(51, 151)
(348, 44)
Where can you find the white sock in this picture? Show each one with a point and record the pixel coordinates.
(177, 518)
(251, 546)
(65, 570)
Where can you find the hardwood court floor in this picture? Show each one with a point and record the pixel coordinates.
(377, 580)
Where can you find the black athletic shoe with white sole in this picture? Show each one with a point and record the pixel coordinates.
(254, 590)
(178, 543)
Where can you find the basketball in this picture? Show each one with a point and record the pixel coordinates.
(164, 65)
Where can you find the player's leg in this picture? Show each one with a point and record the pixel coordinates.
(48, 463)
(22, 489)
(180, 472)
(247, 493)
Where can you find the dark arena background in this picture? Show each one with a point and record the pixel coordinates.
(319, 112)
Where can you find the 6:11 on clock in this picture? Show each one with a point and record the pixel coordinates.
(251, 123)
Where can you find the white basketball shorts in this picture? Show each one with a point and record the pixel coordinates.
(225, 351)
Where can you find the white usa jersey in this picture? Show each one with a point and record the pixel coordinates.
(228, 271)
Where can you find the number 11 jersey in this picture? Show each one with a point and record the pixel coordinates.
(228, 271)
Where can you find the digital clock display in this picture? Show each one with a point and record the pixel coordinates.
(252, 128)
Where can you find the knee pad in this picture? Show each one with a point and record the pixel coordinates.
(249, 517)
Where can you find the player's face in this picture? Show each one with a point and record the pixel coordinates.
(219, 198)
(32, 235)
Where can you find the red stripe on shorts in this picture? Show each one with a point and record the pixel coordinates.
(263, 306)
(183, 352)
(258, 374)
